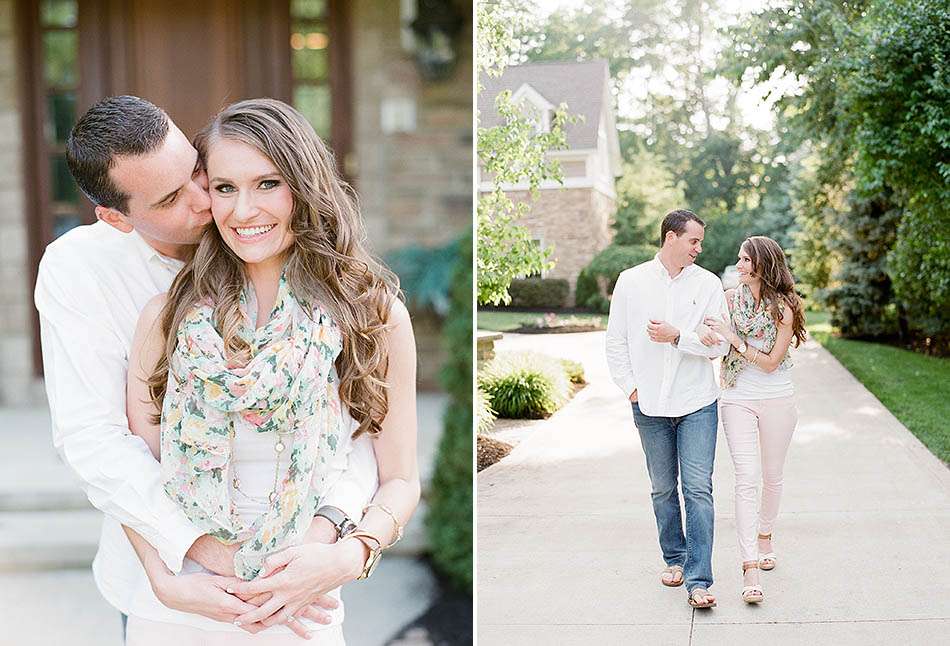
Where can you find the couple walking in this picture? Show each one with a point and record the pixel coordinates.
(668, 320)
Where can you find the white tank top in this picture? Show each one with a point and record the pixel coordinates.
(753, 383)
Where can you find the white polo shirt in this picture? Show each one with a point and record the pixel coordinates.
(671, 381)
(93, 282)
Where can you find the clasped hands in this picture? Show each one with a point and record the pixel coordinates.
(293, 583)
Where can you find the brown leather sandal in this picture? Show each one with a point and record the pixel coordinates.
(672, 570)
(695, 598)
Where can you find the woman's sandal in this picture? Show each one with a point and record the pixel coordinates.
(672, 570)
(697, 596)
(767, 561)
(752, 593)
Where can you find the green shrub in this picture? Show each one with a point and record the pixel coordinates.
(919, 266)
(449, 521)
(524, 385)
(485, 414)
(574, 371)
(539, 292)
(604, 269)
(859, 294)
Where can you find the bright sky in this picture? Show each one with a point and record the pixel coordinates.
(755, 111)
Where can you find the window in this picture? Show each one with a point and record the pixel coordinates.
(310, 47)
(59, 49)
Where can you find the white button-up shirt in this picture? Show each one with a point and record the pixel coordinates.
(93, 282)
(671, 381)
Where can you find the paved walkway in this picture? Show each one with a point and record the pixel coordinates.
(567, 547)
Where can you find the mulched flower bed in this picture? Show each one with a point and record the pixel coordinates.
(491, 451)
(447, 622)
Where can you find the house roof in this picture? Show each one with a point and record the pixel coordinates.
(584, 87)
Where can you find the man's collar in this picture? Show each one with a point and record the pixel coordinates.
(151, 255)
(661, 268)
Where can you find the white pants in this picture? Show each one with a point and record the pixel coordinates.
(758, 433)
(143, 632)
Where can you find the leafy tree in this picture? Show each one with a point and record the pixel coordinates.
(646, 191)
(861, 289)
(899, 104)
(510, 153)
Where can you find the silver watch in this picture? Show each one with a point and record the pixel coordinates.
(341, 522)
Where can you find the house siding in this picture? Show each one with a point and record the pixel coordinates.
(574, 223)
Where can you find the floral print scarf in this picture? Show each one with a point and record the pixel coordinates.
(750, 322)
(283, 389)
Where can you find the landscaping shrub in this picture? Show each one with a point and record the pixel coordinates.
(539, 292)
(604, 270)
(449, 521)
(485, 414)
(574, 371)
(525, 385)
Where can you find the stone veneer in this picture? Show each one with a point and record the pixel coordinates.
(415, 187)
(17, 383)
(575, 222)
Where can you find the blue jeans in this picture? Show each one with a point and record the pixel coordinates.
(682, 447)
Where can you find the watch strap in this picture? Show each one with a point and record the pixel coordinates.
(341, 522)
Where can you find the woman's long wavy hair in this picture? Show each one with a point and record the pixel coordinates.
(778, 286)
(328, 262)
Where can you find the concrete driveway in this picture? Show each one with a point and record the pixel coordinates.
(567, 547)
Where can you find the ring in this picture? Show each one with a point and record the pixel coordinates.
(291, 619)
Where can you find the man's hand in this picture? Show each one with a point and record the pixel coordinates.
(661, 331)
(298, 575)
(214, 555)
(205, 595)
(633, 396)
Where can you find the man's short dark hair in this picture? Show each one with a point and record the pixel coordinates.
(116, 126)
(675, 221)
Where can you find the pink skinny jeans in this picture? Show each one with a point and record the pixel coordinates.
(758, 433)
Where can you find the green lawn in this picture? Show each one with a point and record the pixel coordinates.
(507, 320)
(907, 383)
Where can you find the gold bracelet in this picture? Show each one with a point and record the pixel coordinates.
(755, 357)
(398, 529)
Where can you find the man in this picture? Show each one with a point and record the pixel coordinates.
(659, 352)
(151, 199)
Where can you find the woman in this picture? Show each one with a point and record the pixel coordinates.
(278, 338)
(757, 404)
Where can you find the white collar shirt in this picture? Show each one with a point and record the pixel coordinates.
(91, 286)
(671, 381)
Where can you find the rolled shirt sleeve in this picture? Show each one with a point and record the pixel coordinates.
(715, 307)
(85, 361)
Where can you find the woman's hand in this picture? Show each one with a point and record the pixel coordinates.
(298, 577)
(721, 328)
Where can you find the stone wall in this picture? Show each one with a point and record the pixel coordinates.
(412, 148)
(17, 383)
(574, 222)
